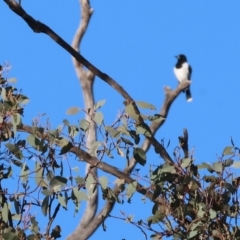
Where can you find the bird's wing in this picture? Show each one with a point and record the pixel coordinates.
(189, 72)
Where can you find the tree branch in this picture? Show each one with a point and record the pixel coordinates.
(170, 96)
(93, 161)
(39, 27)
(86, 79)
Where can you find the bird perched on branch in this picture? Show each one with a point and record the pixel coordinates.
(183, 72)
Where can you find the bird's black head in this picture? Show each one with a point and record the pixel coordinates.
(181, 58)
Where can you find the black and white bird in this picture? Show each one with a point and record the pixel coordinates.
(183, 72)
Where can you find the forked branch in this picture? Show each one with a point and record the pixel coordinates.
(170, 96)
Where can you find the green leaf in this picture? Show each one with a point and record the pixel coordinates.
(32, 237)
(157, 118)
(56, 232)
(210, 178)
(24, 172)
(186, 162)
(62, 201)
(16, 217)
(16, 120)
(80, 180)
(81, 196)
(34, 227)
(131, 112)
(12, 80)
(228, 151)
(236, 164)
(213, 214)
(158, 217)
(99, 104)
(34, 142)
(125, 140)
(46, 192)
(60, 141)
(193, 234)
(140, 156)
(228, 162)
(8, 173)
(94, 147)
(45, 205)
(16, 117)
(131, 189)
(10, 236)
(23, 99)
(15, 150)
(66, 122)
(58, 181)
(135, 136)
(17, 163)
(229, 187)
(3, 94)
(109, 154)
(144, 130)
(205, 165)
(194, 185)
(84, 125)
(39, 175)
(89, 181)
(113, 132)
(73, 131)
(98, 118)
(217, 167)
(123, 130)
(120, 152)
(17, 206)
(90, 184)
(73, 111)
(50, 175)
(11, 147)
(5, 212)
(66, 148)
(145, 105)
(166, 167)
(103, 181)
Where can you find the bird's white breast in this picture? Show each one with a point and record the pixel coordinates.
(182, 73)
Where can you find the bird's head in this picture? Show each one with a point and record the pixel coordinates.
(181, 58)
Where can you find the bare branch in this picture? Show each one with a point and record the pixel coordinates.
(170, 96)
(86, 78)
(39, 27)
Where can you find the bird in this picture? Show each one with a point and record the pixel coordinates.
(183, 72)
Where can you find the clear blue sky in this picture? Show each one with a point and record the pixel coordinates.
(134, 42)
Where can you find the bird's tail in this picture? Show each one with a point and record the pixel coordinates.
(188, 95)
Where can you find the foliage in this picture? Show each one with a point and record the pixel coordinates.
(190, 201)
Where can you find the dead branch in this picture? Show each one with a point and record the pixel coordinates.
(86, 79)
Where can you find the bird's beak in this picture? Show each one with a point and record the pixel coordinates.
(177, 57)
